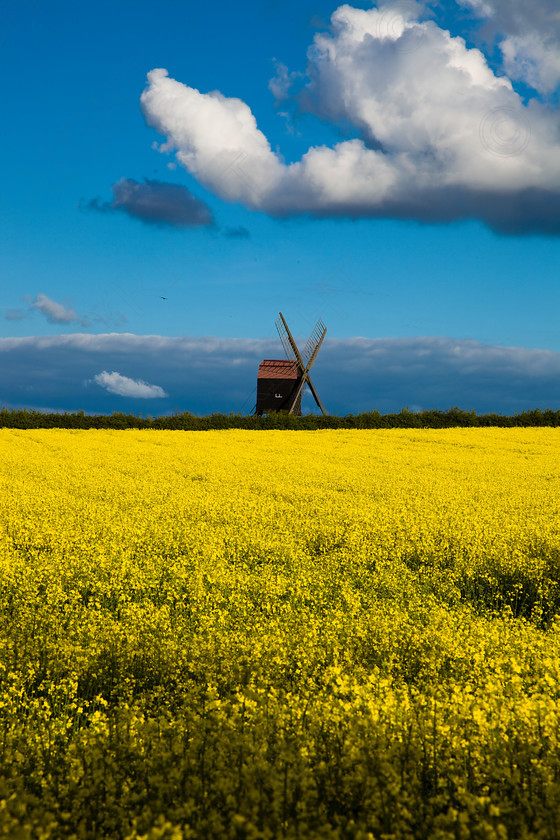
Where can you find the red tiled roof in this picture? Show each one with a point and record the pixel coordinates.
(277, 369)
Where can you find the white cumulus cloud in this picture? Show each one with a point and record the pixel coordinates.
(116, 383)
(440, 135)
(528, 35)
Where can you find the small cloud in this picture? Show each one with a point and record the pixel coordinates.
(57, 313)
(283, 81)
(155, 203)
(16, 314)
(239, 232)
(97, 205)
(115, 383)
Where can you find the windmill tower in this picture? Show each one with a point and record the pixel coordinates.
(281, 382)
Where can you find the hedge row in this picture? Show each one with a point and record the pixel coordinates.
(405, 419)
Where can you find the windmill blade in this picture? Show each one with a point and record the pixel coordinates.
(288, 342)
(314, 342)
(309, 355)
(305, 380)
(297, 393)
(315, 395)
(282, 328)
(312, 347)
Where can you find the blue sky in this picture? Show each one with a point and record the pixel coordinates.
(393, 169)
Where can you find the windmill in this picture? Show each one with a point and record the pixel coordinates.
(281, 382)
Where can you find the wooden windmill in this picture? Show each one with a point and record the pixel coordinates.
(281, 382)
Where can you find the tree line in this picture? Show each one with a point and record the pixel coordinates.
(404, 419)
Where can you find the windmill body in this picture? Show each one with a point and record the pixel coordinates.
(276, 381)
(281, 382)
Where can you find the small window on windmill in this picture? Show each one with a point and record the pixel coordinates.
(281, 382)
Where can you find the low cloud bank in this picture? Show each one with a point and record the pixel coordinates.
(209, 374)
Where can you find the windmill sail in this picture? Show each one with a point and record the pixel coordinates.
(286, 338)
(314, 341)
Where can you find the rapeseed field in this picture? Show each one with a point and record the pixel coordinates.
(313, 635)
